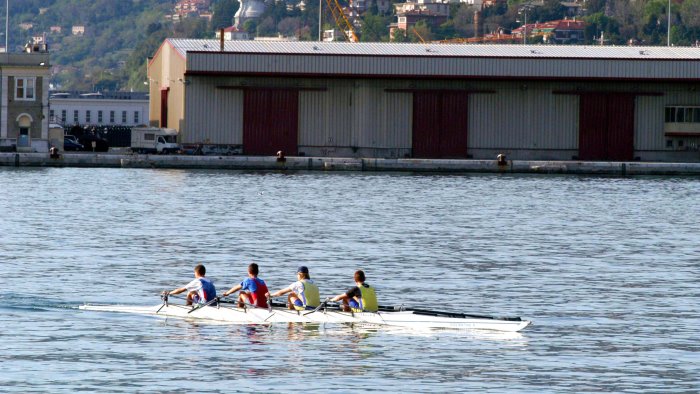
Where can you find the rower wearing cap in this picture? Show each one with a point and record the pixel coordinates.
(303, 294)
(361, 298)
(200, 290)
(253, 289)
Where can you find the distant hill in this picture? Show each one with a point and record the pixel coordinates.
(118, 37)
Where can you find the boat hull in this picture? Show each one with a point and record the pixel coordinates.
(405, 319)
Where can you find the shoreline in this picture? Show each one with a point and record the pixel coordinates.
(297, 163)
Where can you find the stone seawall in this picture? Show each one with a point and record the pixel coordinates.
(344, 164)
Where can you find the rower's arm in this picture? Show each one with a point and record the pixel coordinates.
(232, 290)
(281, 292)
(340, 297)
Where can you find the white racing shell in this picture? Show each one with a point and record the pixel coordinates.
(401, 318)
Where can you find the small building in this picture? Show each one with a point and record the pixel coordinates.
(408, 14)
(565, 31)
(26, 26)
(232, 33)
(70, 108)
(78, 30)
(383, 100)
(55, 29)
(24, 100)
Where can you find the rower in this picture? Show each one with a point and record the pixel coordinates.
(253, 290)
(200, 290)
(303, 294)
(361, 298)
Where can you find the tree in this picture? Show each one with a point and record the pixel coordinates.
(289, 26)
(374, 28)
(223, 13)
(690, 14)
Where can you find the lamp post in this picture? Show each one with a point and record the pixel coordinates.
(668, 34)
(523, 10)
(320, 8)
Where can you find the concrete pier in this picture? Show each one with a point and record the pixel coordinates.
(271, 163)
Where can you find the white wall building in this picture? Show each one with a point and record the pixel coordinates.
(103, 109)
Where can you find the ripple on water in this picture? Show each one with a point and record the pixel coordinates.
(606, 267)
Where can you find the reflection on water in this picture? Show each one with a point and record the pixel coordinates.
(605, 267)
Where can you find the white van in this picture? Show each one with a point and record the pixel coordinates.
(154, 140)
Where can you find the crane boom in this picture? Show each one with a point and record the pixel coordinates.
(341, 21)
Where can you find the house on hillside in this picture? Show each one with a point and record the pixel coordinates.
(408, 14)
(361, 6)
(564, 31)
(185, 8)
(26, 26)
(55, 29)
(78, 30)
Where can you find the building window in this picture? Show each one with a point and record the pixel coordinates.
(87, 116)
(63, 116)
(99, 116)
(136, 117)
(51, 115)
(123, 116)
(111, 116)
(682, 115)
(75, 116)
(24, 88)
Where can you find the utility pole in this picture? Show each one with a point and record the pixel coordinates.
(7, 24)
(668, 34)
(320, 36)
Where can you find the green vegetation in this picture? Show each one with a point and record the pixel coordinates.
(121, 34)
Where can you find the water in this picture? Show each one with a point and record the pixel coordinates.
(607, 268)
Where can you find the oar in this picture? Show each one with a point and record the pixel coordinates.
(215, 299)
(427, 312)
(163, 297)
(324, 305)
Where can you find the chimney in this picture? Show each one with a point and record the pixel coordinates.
(477, 24)
(221, 39)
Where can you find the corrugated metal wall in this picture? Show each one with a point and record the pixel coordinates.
(523, 116)
(270, 121)
(442, 66)
(362, 115)
(649, 114)
(382, 119)
(440, 124)
(325, 117)
(606, 130)
(214, 116)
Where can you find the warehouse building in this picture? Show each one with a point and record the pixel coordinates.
(430, 100)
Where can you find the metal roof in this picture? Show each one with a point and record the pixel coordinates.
(72, 94)
(438, 50)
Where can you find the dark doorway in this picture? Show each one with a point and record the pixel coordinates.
(440, 124)
(270, 121)
(164, 107)
(606, 126)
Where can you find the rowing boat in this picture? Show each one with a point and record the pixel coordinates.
(386, 316)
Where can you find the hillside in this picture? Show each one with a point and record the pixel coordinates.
(118, 37)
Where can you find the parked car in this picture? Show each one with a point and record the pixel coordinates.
(70, 143)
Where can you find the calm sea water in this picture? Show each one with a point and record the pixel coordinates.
(607, 268)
